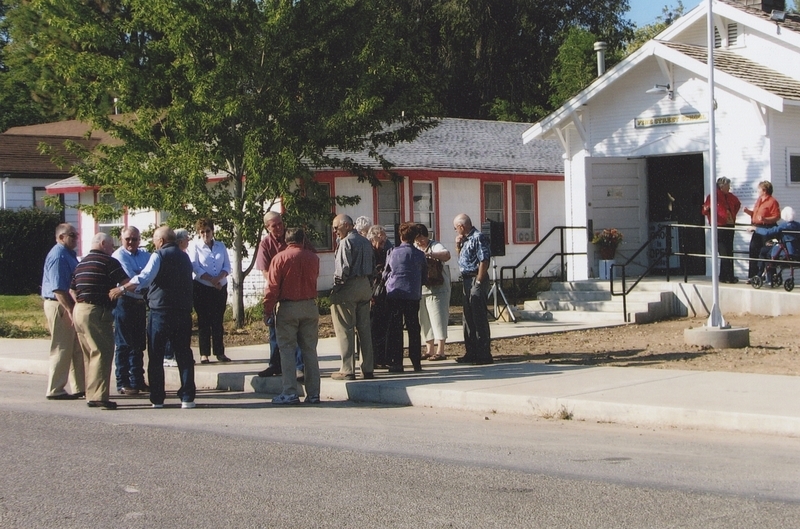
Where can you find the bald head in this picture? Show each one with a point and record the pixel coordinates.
(103, 242)
(463, 219)
(162, 236)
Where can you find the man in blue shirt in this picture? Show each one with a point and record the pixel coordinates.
(130, 318)
(473, 262)
(66, 356)
(168, 275)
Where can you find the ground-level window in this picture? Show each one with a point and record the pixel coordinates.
(493, 201)
(524, 214)
(794, 168)
(324, 240)
(110, 225)
(423, 205)
(39, 195)
(388, 204)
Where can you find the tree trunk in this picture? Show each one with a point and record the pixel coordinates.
(238, 279)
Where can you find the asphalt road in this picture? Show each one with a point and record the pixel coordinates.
(238, 461)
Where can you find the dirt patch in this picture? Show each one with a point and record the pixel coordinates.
(773, 350)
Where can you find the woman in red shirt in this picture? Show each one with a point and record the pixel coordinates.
(728, 206)
(765, 214)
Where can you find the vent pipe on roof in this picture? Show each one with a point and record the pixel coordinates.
(600, 48)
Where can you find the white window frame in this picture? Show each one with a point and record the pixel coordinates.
(424, 204)
(497, 215)
(792, 153)
(525, 234)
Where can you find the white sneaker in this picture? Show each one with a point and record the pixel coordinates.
(170, 362)
(158, 406)
(187, 405)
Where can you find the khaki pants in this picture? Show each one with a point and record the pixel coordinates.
(66, 358)
(297, 324)
(350, 314)
(95, 327)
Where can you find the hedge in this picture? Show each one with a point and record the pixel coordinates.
(26, 235)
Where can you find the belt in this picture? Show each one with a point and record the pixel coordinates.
(50, 299)
(469, 274)
(97, 303)
(295, 300)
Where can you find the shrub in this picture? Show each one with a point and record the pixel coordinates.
(26, 235)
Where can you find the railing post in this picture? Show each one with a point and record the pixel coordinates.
(669, 248)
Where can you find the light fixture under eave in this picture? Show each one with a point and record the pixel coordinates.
(662, 89)
(777, 15)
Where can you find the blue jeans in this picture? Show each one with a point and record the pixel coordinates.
(173, 327)
(275, 351)
(130, 340)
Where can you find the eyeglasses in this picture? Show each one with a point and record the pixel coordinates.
(131, 239)
(72, 234)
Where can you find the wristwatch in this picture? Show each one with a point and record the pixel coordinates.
(121, 289)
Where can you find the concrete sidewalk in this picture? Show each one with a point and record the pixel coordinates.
(695, 399)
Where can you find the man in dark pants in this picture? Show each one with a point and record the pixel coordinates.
(168, 275)
(473, 262)
(130, 318)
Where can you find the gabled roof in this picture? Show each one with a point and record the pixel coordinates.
(471, 145)
(744, 69)
(732, 71)
(19, 154)
(69, 129)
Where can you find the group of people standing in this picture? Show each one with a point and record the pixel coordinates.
(368, 326)
(764, 225)
(97, 309)
(97, 312)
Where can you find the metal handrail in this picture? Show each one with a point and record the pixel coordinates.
(562, 254)
(666, 253)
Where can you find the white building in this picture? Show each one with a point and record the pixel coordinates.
(637, 139)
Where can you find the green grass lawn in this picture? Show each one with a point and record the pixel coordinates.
(22, 317)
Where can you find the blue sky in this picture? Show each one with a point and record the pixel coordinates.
(644, 12)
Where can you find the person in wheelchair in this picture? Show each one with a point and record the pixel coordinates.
(788, 248)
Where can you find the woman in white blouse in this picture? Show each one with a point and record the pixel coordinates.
(211, 269)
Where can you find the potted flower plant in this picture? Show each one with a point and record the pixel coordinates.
(607, 242)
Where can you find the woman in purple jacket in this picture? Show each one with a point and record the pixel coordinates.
(405, 272)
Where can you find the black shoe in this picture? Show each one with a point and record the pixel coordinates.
(104, 404)
(65, 396)
(80, 395)
(368, 375)
(484, 361)
(271, 371)
(464, 359)
(223, 358)
(395, 369)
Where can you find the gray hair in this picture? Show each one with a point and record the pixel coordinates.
(362, 224)
(787, 214)
(375, 231)
(723, 181)
(181, 234)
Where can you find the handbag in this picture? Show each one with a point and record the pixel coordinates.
(435, 270)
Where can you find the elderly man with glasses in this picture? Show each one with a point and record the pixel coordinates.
(352, 292)
(66, 356)
(130, 318)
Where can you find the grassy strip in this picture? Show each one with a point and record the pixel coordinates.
(22, 317)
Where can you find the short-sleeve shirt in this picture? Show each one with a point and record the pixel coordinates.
(474, 251)
(58, 268)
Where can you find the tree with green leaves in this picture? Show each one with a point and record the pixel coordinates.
(255, 93)
(16, 107)
(647, 32)
(494, 57)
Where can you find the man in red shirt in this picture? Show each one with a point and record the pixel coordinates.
(291, 294)
(268, 248)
